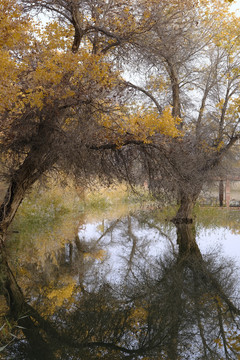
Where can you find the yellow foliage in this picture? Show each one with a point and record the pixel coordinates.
(61, 294)
(218, 342)
(57, 296)
(38, 67)
(234, 340)
(13, 37)
(12, 24)
(98, 255)
(52, 74)
(143, 124)
(209, 149)
(138, 316)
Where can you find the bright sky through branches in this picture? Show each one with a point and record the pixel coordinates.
(235, 6)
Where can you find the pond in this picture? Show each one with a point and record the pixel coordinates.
(132, 287)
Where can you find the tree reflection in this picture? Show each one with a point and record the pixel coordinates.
(181, 305)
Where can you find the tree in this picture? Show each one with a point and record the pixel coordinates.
(192, 63)
(57, 103)
(62, 101)
(59, 93)
(188, 55)
(73, 110)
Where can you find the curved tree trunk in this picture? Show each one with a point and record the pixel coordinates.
(39, 159)
(21, 181)
(35, 164)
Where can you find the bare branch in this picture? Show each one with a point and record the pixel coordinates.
(147, 93)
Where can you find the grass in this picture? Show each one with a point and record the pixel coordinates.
(45, 210)
(56, 213)
(103, 199)
(50, 217)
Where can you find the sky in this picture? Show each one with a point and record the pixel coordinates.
(236, 6)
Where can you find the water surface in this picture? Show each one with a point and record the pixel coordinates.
(135, 287)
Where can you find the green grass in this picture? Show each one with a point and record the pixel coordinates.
(45, 211)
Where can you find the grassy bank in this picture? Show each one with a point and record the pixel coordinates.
(57, 212)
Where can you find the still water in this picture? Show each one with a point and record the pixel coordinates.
(135, 287)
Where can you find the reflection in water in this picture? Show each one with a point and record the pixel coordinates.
(130, 290)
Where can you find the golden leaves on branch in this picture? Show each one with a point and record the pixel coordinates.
(50, 72)
(142, 125)
(13, 30)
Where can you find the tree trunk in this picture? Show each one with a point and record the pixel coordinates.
(9, 287)
(21, 181)
(39, 160)
(23, 313)
(185, 210)
(221, 191)
(41, 157)
(186, 240)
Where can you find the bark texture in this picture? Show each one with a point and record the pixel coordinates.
(187, 202)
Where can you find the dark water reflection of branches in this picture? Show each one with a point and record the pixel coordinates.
(177, 305)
